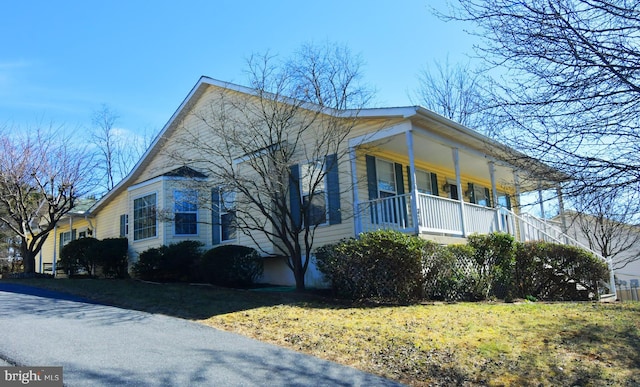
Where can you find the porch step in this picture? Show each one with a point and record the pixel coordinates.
(608, 298)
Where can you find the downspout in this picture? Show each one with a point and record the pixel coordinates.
(414, 184)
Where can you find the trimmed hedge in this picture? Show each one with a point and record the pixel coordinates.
(392, 266)
(226, 265)
(385, 265)
(231, 265)
(107, 257)
(171, 263)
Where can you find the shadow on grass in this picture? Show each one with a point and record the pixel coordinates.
(590, 352)
(188, 301)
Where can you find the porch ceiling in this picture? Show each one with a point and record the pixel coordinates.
(473, 162)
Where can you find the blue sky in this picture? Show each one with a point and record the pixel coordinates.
(60, 61)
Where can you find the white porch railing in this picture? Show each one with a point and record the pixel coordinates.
(437, 215)
(387, 213)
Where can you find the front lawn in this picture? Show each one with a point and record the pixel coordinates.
(520, 344)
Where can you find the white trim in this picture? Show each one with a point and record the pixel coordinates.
(391, 131)
(146, 183)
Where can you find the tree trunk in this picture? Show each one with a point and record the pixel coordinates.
(28, 261)
(298, 273)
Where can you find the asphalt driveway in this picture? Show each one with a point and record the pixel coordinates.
(104, 345)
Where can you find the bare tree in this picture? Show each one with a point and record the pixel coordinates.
(41, 177)
(607, 221)
(117, 149)
(279, 149)
(570, 84)
(454, 92)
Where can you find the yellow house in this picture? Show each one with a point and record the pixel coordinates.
(408, 169)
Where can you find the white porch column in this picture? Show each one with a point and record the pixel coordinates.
(494, 194)
(541, 200)
(414, 184)
(561, 207)
(516, 183)
(456, 163)
(357, 223)
(494, 189)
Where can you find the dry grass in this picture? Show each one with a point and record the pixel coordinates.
(527, 344)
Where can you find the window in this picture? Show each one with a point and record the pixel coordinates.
(314, 192)
(65, 238)
(427, 182)
(504, 200)
(451, 187)
(228, 215)
(386, 178)
(185, 212)
(144, 217)
(479, 195)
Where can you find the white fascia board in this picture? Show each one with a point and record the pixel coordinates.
(391, 131)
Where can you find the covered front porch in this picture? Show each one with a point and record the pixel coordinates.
(430, 176)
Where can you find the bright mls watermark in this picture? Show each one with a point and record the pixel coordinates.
(31, 376)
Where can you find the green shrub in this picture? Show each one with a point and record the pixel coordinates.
(494, 256)
(112, 256)
(231, 265)
(169, 263)
(79, 254)
(385, 265)
(459, 282)
(444, 271)
(551, 271)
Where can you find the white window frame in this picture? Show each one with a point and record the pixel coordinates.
(383, 192)
(429, 190)
(145, 227)
(481, 191)
(191, 197)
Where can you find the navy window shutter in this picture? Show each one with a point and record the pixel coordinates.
(295, 200)
(215, 216)
(472, 194)
(372, 177)
(333, 189)
(508, 197)
(434, 184)
(399, 179)
(487, 193)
